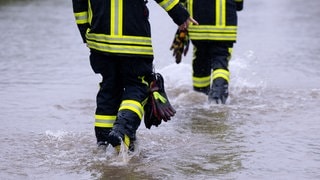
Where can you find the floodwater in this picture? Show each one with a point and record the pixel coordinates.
(269, 128)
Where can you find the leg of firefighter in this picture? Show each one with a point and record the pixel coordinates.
(220, 74)
(131, 110)
(201, 68)
(108, 97)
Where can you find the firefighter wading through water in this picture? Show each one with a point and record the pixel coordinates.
(212, 40)
(119, 37)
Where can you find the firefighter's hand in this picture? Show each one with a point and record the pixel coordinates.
(180, 44)
(185, 25)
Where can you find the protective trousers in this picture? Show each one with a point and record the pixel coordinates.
(123, 91)
(209, 58)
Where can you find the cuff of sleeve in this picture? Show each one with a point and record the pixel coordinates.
(179, 14)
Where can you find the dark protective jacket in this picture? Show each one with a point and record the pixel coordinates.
(121, 27)
(217, 19)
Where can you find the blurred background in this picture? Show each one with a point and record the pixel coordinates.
(268, 128)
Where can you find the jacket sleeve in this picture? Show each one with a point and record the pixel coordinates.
(239, 4)
(183, 2)
(175, 10)
(80, 10)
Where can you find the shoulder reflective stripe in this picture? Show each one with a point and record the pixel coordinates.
(104, 120)
(221, 73)
(132, 105)
(201, 82)
(168, 4)
(81, 17)
(125, 49)
(120, 39)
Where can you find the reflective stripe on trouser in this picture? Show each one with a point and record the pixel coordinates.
(201, 82)
(105, 120)
(133, 106)
(221, 73)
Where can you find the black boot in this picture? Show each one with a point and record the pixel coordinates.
(124, 130)
(102, 135)
(218, 91)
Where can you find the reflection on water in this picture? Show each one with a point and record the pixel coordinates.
(269, 127)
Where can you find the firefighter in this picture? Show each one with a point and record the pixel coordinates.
(117, 32)
(212, 40)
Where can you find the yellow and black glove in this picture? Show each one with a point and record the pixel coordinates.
(180, 44)
(158, 107)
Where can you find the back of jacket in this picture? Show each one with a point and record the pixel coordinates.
(120, 27)
(217, 19)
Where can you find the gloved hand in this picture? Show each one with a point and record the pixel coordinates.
(158, 107)
(180, 44)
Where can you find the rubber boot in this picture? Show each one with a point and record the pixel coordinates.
(218, 91)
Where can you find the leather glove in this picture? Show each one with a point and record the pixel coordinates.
(158, 107)
(180, 44)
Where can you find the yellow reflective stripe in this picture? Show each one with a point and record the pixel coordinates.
(140, 40)
(238, 0)
(81, 17)
(125, 49)
(104, 120)
(168, 4)
(190, 8)
(120, 14)
(213, 29)
(207, 32)
(90, 14)
(132, 105)
(230, 53)
(204, 36)
(144, 102)
(158, 96)
(218, 14)
(221, 73)
(126, 141)
(221, 12)
(201, 82)
(116, 17)
(112, 16)
(143, 81)
(230, 50)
